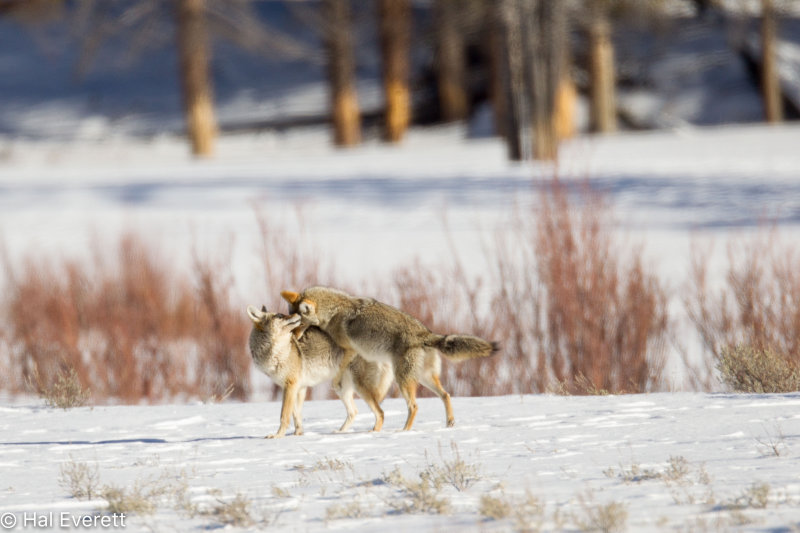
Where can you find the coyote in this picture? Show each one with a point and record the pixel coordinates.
(381, 333)
(298, 363)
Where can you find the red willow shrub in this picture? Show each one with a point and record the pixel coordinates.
(131, 326)
(573, 310)
(605, 318)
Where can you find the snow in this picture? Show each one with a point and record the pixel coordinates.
(375, 208)
(82, 163)
(672, 461)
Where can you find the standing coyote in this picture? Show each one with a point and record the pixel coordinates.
(381, 333)
(298, 363)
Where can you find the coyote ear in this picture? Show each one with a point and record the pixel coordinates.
(291, 297)
(263, 308)
(254, 314)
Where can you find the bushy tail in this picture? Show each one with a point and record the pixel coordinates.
(461, 347)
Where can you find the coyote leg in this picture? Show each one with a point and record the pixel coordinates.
(347, 358)
(287, 408)
(433, 384)
(345, 392)
(375, 406)
(298, 410)
(408, 389)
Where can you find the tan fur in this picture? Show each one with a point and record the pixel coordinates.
(298, 363)
(381, 333)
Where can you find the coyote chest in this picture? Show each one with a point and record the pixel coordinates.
(273, 356)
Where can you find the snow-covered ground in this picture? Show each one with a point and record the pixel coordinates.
(376, 206)
(71, 173)
(657, 462)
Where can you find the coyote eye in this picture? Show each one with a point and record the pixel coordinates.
(305, 308)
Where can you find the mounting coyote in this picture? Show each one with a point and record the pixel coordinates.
(383, 334)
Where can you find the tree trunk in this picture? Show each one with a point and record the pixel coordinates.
(450, 62)
(194, 57)
(341, 74)
(539, 98)
(545, 36)
(517, 98)
(498, 66)
(395, 35)
(566, 102)
(603, 114)
(770, 81)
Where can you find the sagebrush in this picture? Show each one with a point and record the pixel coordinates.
(750, 325)
(744, 368)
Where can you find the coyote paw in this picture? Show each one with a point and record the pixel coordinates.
(451, 422)
(274, 436)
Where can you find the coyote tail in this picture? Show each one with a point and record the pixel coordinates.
(462, 347)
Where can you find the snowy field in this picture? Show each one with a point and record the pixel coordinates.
(658, 462)
(674, 462)
(375, 208)
(81, 166)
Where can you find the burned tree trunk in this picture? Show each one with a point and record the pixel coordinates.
(341, 74)
(770, 80)
(450, 62)
(395, 37)
(194, 58)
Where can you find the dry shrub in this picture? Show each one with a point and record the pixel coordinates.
(567, 303)
(601, 319)
(447, 301)
(220, 332)
(756, 310)
(570, 306)
(745, 369)
(288, 259)
(129, 325)
(81, 480)
(66, 392)
(235, 512)
(420, 496)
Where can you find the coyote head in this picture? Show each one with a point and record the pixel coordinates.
(276, 324)
(305, 306)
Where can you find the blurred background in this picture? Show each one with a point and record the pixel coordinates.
(609, 188)
(95, 69)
